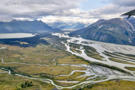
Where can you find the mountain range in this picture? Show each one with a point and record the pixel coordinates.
(25, 27)
(67, 26)
(116, 30)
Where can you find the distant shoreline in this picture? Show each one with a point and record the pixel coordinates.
(15, 35)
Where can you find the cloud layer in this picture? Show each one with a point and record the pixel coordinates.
(35, 8)
(61, 10)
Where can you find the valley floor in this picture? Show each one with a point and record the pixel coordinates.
(67, 63)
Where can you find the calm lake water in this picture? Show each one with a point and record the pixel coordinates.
(15, 35)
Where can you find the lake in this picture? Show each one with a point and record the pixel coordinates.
(15, 35)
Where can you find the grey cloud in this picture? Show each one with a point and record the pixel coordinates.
(35, 8)
(10, 9)
(114, 8)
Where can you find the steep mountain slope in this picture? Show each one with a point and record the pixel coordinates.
(132, 20)
(25, 26)
(116, 30)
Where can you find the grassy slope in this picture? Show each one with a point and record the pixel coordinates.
(11, 82)
(28, 61)
(52, 57)
(112, 85)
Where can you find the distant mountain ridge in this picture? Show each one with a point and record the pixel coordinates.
(67, 26)
(116, 30)
(16, 26)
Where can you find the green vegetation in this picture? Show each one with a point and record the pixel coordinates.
(42, 61)
(75, 48)
(120, 61)
(41, 54)
(119, 57)
(26, 84)
(75, 45)
(92, 53)
(128, 55)
(111, 85)
(12, 82)
(72, 60)
(74, 77)
(111, 67)
(130, 68)
(45, 62)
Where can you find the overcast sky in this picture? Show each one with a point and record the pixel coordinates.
(84, 11)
